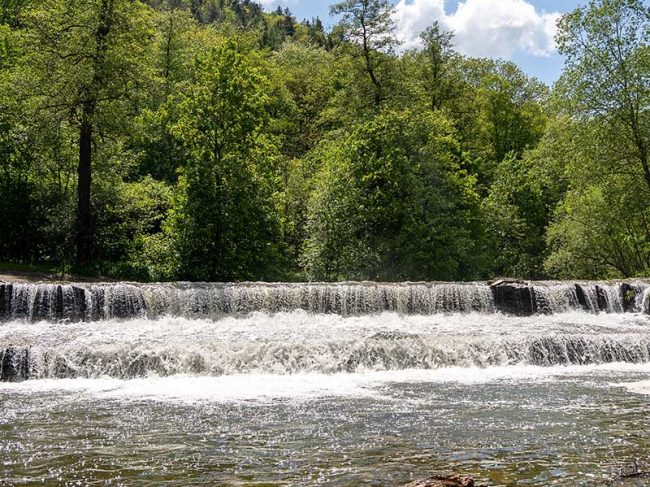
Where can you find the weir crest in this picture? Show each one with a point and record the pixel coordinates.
(94, 302)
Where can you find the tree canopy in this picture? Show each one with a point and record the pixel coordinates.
(212, 140)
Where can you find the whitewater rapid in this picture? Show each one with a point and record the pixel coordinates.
(304, 343)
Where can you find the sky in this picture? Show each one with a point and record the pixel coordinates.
(518, 30)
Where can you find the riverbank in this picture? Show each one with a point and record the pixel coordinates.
(10, 272)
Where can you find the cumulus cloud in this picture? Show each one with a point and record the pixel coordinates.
(483, 28)
(412, 17)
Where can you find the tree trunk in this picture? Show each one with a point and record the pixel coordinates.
(369, 67)
(643, 157)
(373, 77)
(84, 171)
(84, 237)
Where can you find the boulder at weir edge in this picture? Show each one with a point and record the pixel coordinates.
(514, 297)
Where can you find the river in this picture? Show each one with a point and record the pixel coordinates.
(352, 384)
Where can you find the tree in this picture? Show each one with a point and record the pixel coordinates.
(316, 32)
(289, 23)
(522, 202)
(10, 11)
(438, 50)
(174, 28)
(499, 113)
(223, 222)
(601, 226)
(82, 61)
(600, 232)
(368, 25)
(177, 42)
(607, 75)
(392, 203)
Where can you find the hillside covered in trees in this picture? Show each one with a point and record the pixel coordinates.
(210, 140)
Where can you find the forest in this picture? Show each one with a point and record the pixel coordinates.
(210, 140)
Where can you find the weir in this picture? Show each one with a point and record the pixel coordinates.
(126, 330)
(128, 361)
(93, 302)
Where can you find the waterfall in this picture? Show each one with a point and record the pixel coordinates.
(128, 330)
(190, 351)
(94, 302)
(559, 297)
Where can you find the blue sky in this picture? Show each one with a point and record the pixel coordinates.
(518, 30)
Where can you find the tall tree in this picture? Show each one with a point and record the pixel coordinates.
(499, 112)
(368, 24)
(316, 32)
(607, 75)
(223, 223)
(392, 203)
(438, 51)
(522, 201)
(82, 62)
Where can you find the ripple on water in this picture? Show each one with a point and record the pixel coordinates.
(529, 425)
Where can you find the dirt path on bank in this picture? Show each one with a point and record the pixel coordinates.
(33, 276)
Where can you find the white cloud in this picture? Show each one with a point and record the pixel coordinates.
(272, 4)
(484, 28)
(412, 17)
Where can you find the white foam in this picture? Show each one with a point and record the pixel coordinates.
(264, 387)
(300, 325)
(640, 387)
(190, 389)
(302, 343)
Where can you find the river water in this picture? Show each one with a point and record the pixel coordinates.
(303, 397)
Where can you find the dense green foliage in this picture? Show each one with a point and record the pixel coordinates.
(210, 140)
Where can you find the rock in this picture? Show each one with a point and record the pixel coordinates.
(59, 307)
(444, 480)
(582, 297)
(97, 310)
(514, 297)
(76, 303)
(601, 298)
(631, 475)
(629, 298)
(14, 364)
(6, 291)
(3, 299)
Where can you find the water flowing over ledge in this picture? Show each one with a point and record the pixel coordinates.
(94, 302)
(127, 331)
(380, 352)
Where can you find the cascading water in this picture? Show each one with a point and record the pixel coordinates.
(94, 302)
(217, 329)
(299, 343)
